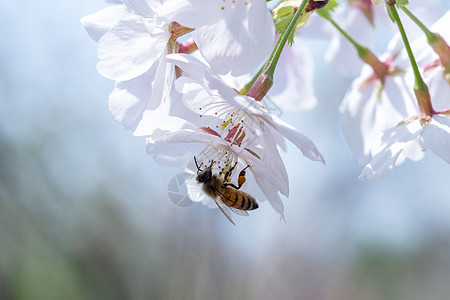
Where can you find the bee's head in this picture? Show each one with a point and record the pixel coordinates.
(205, 174)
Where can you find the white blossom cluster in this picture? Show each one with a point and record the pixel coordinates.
(180, 66)
(381, 121)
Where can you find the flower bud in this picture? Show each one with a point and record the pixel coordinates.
(391, 2)
(423, 100)
(366, 7)
(442, 49)
(380, 69)
(315, 4)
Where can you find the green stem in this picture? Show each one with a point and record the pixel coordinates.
(345, 34)
(430, 36)
(275, 56)
(420, 88)
(269, 67)
(406, 43)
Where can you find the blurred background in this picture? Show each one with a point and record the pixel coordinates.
(85, 214)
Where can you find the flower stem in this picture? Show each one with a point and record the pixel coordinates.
(262, 81)
(380, 69)
(420, 88)
(275, 56)
(345, 34)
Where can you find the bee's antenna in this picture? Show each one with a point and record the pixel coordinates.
(196, 164)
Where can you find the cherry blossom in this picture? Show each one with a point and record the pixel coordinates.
(356, 18)
(416, 131)
(132, 40)
(371, 105)
(207, 108)
(234, 127)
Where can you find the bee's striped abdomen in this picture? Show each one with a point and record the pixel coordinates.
(237, 199)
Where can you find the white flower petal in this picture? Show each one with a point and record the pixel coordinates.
(428, 12)
(341, 54)
(173, 156)
(381, 164)
(396, 88)
(413, 150)
(270, 192)
(191, 13)
(130, 98)
(317, 28)
(142, 7)
(395, 140)
(198, 100)
(189, 64)
(298, 139)
(357, 119)
(99, 23)
(240, 40)
(293, 88)
(437, 136)
(200, 78)
(187, 136)
(439, 88)
(162, 84)
(274, 163)
(128, 50)
(157, 123)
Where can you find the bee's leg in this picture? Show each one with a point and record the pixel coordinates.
(241, 179)
(228, 172)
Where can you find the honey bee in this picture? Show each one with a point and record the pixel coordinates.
(230, 197)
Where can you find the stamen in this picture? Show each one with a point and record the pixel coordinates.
(240, 137)
(225, 123)
(210, 131)
(230, 134)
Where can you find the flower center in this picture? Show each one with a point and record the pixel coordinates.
(235, 129)
(223, 158)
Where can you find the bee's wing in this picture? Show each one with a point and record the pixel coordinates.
(194, 189)
(240, 212)
(225, 210)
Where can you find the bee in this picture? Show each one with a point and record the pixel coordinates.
(230, 197)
